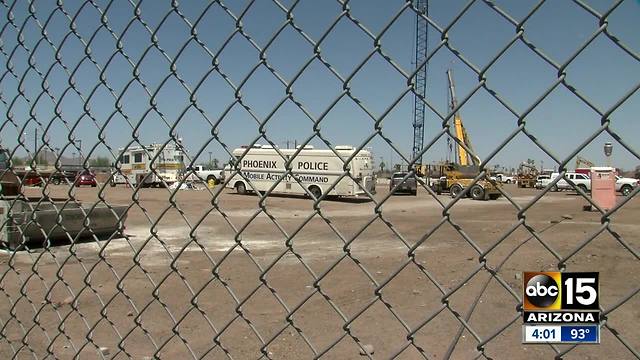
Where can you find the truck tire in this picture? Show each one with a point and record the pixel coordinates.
(241, 189)
(626, 190)
(455, 190)
(112, 183)
(477, 192)
(215, 180)
(56, 181)
(583, 187)
(315, 191)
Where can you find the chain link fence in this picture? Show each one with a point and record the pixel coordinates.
(168, 273)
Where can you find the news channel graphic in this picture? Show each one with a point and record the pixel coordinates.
(561, 307)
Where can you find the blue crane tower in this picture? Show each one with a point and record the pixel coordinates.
(420, 78)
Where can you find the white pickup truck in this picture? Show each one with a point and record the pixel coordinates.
(579, 180)
(626, 185)
(505, 178)
(623, 185)
(217, 175)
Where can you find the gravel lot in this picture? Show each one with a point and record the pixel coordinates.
(174, 285)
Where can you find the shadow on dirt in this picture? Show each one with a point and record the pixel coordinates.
(352, 200)
(36, 245)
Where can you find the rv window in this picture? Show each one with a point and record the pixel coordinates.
(4, 160)
(137, 158)
(125, 159)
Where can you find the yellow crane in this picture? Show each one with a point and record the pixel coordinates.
(463, 157)
(459, 175)
(582, 161)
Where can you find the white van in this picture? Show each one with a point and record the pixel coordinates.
(317, 171)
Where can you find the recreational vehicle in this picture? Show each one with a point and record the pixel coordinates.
(315, 169)
(136, 162)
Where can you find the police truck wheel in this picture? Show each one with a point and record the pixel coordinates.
(477, 192)
(56, 181)
(626, 190)
(113, 184)
(211, 177)
(241, 189)
(583, 187)
(315, 191)
(455, 190)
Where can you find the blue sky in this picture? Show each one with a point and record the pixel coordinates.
(603, 73)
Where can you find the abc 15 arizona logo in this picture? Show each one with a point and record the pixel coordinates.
(553, 290)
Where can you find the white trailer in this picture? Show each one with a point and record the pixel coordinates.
(135, 165)
(317, 171)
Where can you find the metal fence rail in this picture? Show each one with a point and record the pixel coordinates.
(87, 299)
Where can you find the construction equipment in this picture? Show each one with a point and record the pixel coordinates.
(463, 157)
(582, 161)
(456, 177)
(584, 170)
(25, 220)
(421, 81)
(527, 175)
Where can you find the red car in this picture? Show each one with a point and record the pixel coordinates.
(86, 178)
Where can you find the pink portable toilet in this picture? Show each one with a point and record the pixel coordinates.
(603, 186)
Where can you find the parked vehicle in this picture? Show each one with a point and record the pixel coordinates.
(456, 178)
(40, 175)
(118, 179)
(86, 178)
(136, 164)
(581, 181)
(542, 181)
(626, 185)
(408, 185)
(527, 175)
(61, 177)
(317, 171)
(505, 178)
(217, 175)
(623, 185)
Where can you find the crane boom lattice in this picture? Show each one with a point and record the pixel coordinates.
(420, 78)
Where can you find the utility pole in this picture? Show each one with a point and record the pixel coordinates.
(210, 158)
(79, 152)
(35, 145)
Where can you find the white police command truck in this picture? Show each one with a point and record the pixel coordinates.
(316, 169)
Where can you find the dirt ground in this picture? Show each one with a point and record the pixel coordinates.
(196, 280)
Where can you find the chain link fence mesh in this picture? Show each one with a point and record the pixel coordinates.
(207, 274)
